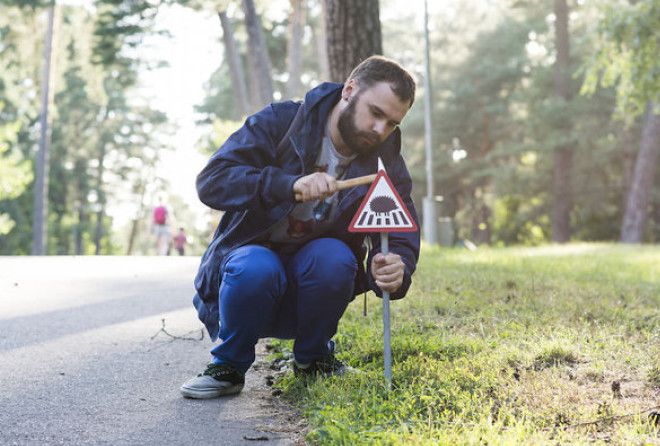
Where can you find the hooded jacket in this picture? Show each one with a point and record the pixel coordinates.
(251, 176)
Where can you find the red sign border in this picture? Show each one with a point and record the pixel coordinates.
(379, 175)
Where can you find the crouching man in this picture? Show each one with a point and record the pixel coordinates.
(282, 263)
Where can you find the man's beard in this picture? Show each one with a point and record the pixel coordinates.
(359, 142)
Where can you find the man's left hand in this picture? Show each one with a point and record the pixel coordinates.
(387, 271)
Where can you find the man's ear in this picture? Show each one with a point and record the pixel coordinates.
(349, 90)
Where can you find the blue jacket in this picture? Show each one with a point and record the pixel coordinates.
(252, 182)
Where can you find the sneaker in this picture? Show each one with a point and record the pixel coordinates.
(215, 381)
(326, 366)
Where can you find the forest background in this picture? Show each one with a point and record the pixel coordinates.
(545, 124)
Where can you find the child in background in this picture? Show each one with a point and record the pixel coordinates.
(180, 242)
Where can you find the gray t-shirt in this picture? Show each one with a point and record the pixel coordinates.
(311, 219)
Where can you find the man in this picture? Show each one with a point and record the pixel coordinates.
(283, 268)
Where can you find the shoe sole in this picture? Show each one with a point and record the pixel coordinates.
(214, 392)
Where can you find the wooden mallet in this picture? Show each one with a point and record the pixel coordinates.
(345, 184)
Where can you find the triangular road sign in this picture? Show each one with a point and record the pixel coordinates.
(382, 209)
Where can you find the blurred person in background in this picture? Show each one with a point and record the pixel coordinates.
(180, 242)
(161, 228)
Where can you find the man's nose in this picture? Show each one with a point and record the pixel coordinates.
(379, 126)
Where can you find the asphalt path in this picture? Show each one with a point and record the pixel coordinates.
(84, 359)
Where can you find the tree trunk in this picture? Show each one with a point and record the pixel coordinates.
(253, 84)
(321, 44)
(654, 218)
(235, 66)
(100, 196)
(628, 164)
(40, 206)
(294, 51)
(236, 71)
(563, 157)
(636, 213)
(562, 201)
(481, 212)
(98, 235)
(481, 216)
(258, 54)
(135, 226)
(82, 220)
(80, 171)
(353, 28)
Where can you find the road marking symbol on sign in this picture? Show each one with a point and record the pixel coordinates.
(382, 209)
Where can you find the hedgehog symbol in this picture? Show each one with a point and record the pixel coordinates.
(382, 204)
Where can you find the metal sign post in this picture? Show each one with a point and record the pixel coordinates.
(387, 352)
(383, 210)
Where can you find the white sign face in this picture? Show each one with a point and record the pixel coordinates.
(382, 210)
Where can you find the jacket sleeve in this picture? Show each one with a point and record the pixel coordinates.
(243, 173)
(405, 244)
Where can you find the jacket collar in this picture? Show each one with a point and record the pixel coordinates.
(307, 141)
(317, 107)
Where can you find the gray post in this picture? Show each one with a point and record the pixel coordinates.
(429, 212)
(387, 354)
(40, 203)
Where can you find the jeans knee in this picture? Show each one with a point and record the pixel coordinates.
(330, 263)
(254, 268)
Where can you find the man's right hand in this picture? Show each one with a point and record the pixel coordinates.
(315, 186)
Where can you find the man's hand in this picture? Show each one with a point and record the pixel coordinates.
(387, 271)
(315, 186)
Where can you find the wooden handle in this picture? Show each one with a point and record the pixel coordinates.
(357, 181)
(345, 184)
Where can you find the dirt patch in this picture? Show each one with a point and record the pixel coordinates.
(284, 419)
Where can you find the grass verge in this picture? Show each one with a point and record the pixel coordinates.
(542, 345)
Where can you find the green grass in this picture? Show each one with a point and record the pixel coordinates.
(501, 346)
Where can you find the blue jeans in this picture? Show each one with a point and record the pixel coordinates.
(300, 296)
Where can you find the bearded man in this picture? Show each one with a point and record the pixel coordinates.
(282, 263)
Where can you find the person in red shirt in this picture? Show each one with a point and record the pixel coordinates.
(161, 228)
(180, 242)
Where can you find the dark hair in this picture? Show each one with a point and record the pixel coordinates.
(381, 69)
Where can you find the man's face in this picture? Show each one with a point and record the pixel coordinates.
(370, 116)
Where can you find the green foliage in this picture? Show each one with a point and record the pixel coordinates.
(15, 172)
(120, 25)
(485, 114)
(493, 79)
(219, 101)
(73, 142)
(653, 375)
(626, 54)
(127, 137)
(494, 100)
(102, 141)
(513, 223)
(31, 4)
(498, 346)
(555, 356)
(19, 60)
(221, 131)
